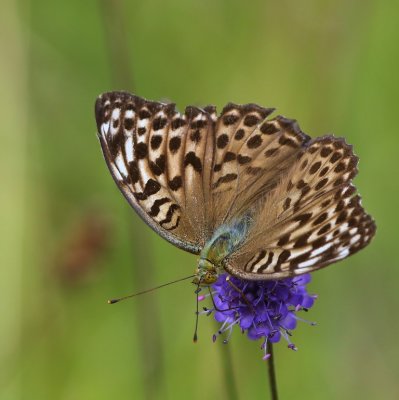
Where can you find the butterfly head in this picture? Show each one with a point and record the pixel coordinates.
(206, 273)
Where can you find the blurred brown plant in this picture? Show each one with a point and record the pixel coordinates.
(84, 244)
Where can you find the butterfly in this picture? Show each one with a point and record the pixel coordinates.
(251, 195)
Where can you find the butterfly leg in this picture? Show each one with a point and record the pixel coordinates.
(241, 293)
(215, 306)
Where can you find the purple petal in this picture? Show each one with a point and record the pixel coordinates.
(246, 320)
(275, 337)
(303, 279)
(222, 317)
(289, 322)
(307, 301)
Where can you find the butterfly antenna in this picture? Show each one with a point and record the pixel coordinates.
(113, 301)
(195, 338)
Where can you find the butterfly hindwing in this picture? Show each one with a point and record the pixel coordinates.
(311, 219)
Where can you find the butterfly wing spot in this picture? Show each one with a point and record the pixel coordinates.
(239, 134)
(176, 183)
(114, 122)
(156, 142)
(254, 142)
(315, 167)
(224, 179)
(243, 159)
(230, 119)
(156, 206)
(268, 128)
(174, 144)
(222, 141)
(159, 123)
(194, 161)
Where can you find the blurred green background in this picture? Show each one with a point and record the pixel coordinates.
(69, 240)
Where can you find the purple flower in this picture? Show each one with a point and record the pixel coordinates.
(263, 309)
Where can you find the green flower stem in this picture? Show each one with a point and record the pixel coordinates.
(230, 383)
(272, 373)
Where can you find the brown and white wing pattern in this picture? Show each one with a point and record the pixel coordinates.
(251, 155)
(160, 160)
(311, 219)
(187, 174)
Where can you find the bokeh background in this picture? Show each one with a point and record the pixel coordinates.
(69, 240)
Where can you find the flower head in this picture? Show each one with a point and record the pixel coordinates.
(262, 309)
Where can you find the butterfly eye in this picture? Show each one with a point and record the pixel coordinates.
(210, 278)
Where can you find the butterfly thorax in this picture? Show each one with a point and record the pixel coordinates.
(225, 241)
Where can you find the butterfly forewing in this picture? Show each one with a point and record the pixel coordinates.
(187, 174)
(269, 153)
(157, 157)
(251, 154)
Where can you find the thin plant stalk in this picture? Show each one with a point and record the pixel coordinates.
(151, 352)
(272, 373)
(228, 373)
